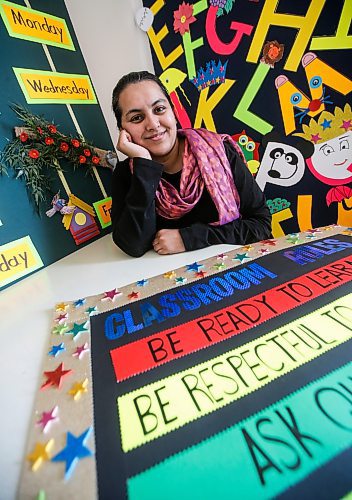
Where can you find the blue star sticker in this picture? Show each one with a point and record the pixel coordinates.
(326, 124)
(142, 282)
(194, 267)
(74, 451)
(56, 349)
(79, 302)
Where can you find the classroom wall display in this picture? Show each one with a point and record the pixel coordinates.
(225, 378)
(43, 72)
(253, 67)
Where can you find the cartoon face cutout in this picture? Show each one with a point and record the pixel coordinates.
(331, 161)
(281, 164)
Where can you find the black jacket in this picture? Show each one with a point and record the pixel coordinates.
(135, 222)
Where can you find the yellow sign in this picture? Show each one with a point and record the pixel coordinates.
(17, 259)
(163, 406)
(42, 87)
(36, 26)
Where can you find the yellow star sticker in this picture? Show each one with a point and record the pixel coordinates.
(40, 454)
(170, 275)
(247, 248)
(78, 389)
(61, 307)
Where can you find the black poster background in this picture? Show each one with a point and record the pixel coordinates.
(114, 466)
(266, 103)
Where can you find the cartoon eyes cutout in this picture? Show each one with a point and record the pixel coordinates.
(315, 82)
(290, 158)
(296, 98)
(243, 141)
(327, 149)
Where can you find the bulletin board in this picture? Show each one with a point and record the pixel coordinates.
(275, 75)
(40, 55)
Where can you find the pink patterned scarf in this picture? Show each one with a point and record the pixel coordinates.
(204, 164)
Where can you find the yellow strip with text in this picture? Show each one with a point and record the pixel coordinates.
(28, 24)
(161, 407)
(17, 259)
(41, 87)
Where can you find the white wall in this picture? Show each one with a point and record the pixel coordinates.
(112, 45)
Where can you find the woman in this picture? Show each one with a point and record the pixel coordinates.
(178, 190)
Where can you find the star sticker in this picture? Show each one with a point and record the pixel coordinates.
(142, 282)
(54, 377)
(269, 242)
(62, 306)
(313, 231)
(77, 329)
(47, 418)
(80, 350)
(111, 294)
(78, 389)
(293, 238)
(56, 349)
(264, 251)
(310, 236)
(222, 256)
(180, 280)
(59, 329)
(201, 274)
(79, 302)
(40, 454)
(347, 232)
(62, 318)
(133, 295)
(247, 248)
(315, 138)
(170, 275)
(75, 450)
(91, 310)
(219, 266)
(326, 124)
(242, 257)
(346, 124)
(194, 267)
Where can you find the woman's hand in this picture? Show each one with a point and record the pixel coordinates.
(129, 148)
(168, 241)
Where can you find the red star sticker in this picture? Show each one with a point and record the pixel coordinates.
(54, 377)
(111, 294)
(315, 138)
(269, 242)
(133, 295)
(62, 318)
(201, 274)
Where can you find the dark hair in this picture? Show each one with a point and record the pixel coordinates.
(130, 78)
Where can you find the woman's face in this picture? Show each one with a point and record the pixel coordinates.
(148, 117)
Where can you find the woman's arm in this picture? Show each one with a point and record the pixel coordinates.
(254, 223)
(133, 205)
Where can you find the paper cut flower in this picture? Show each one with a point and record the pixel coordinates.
(183, 17)
(33, 153)
(38, 148)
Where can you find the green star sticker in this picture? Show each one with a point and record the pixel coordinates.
(59, 329)
(91, 310)
(219, 266)
(180, 280)
(241, 257)
(293, 239)
(77, 329)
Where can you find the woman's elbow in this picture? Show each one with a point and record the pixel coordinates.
(131, 250)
